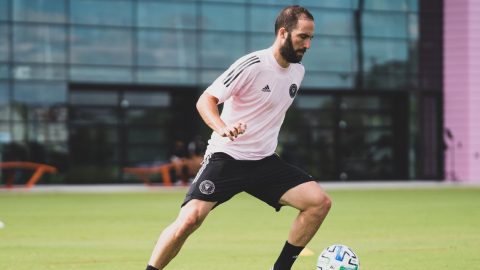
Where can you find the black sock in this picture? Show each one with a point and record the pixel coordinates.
(149, 267)
(287, 257)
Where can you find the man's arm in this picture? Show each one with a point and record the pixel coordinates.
(207, 107)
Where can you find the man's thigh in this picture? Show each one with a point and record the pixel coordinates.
(304, 196)
(274, 178)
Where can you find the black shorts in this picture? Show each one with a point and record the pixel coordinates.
(222, 177)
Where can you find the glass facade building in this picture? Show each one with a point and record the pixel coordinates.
(93, 86)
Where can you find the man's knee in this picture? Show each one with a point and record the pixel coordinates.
(187, 225)
(321, 205)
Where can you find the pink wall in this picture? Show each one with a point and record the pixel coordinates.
(462, 88)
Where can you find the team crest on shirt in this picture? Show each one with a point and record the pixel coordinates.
(293, 90)
(207, 187)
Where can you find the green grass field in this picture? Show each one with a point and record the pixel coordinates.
(388, 229)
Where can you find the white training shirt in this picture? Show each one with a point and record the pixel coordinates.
(257, 90)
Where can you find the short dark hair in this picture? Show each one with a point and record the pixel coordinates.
(289, 17)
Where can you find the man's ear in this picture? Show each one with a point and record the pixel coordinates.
(282, 32)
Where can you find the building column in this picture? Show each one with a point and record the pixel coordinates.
(462, 90)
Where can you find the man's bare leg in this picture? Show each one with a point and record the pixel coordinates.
(314, 204)
(174, 236)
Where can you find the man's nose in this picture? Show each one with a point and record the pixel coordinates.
(306, 45)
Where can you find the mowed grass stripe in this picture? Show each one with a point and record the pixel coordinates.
(388, 229)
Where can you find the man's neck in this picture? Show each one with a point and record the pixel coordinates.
(278, 56)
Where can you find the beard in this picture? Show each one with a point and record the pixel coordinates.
(289, 53)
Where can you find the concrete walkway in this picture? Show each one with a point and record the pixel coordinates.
(326, 185)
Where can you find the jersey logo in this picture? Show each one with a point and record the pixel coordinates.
(293, 90)
(236, 71)
(207, 187)
(266, 89)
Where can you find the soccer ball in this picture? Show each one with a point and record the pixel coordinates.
(338, 257)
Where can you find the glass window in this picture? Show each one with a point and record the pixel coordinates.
(148, 99)
(166, 76)
(326, 3)
(413, 5)
(167, 48)
(100, 74)
(101, 46)
(44, 44)
(413, 26)
(385, 55)
(263, 18)
(4, 71)
(101, 12)
(41, 72)
(39, 11)
(223, 17)
(333, 22)
(222, 50)
(261, 41)
(146, 154)
(146, 135)
(384, 25)
(4, 92)
(327, 80)
(40, 93)
(40, 132)
(329, 54)
(4, 44)
(400, 5)
(167, 15)
(207, 77)
(105, 98)
(4, 9)
(373, 80)
(90, 116)
(308, 101)
(232, 1)
(273, 2)
(413, 56)
(149, 117)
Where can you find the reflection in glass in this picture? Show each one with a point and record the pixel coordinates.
(413, 5)
(147, 117)
(355, 119)
(373, 80)
(107, 46)
(329, 54)
(44, 44)
(333, 22)
(40, 132)
(166, 15)
(365, 102)
(4, 92)
(4, 71)
(147, 99)
(4, 44)
(413, 26)
(273, 2)
(4, 9)
(100, 74)
(146, 135)
(330, 80)
(39, 11)
(399, 5)
(306, 101)
(97, 97)
(39, 72)
(223, 17)
(166, 76)
(207, 77)
(385, 55)
(138, 154)
(384, 25)
(166, 48)
(214, 52)
(326, 3)
(5, 137)
(94, 135)
(263, 18)
(91, 116)
(101, 12)
(261, 41)
(40, 93)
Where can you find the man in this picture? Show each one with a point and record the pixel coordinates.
(257, 90)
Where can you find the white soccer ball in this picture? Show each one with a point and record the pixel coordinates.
(338, 257)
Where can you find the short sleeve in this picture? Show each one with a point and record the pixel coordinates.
(232, 80)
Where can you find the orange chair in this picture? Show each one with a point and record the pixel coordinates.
(39, 170)
(164, 170)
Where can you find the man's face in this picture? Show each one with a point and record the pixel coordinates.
(298, 41)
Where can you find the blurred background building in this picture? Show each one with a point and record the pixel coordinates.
(93, 86)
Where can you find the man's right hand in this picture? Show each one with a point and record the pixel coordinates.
(233, 130)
